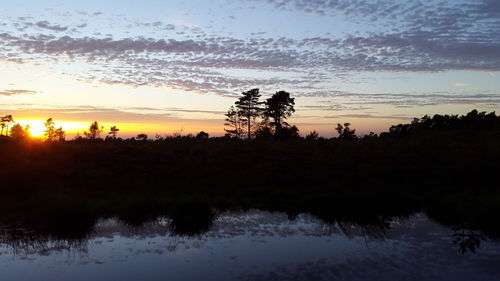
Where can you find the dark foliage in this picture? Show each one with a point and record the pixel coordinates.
(272, 117)
(202, 135)
(345, 132)
(278, 108)
(249, 108)
(472, 122)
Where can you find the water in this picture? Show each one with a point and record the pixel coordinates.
(254, 245)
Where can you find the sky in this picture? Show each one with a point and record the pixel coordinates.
(164, 67)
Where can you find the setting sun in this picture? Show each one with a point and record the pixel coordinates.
(36, 127)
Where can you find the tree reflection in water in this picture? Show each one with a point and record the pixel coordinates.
(72, 231)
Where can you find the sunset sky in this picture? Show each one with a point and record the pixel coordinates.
(156, 66)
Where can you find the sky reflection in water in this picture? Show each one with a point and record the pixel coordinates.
(256, 245)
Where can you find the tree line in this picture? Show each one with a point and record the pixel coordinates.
(472, 121)
(51, 134)
(250, 118)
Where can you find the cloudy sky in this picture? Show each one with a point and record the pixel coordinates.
(159, 66)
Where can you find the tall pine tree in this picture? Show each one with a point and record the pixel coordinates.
(278, 108)
(249, 108)
(234, 123)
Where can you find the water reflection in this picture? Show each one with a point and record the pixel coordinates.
(251, 245)
(199, 220)
(467, 240)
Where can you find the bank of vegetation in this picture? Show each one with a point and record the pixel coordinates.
(445, 165)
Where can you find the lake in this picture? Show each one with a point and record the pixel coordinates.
(252, 245)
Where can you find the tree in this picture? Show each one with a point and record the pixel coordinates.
(142, 137)
(17, 132)
(278, 108)
(94, 131)
(2, 126)
(59, 134)
(264, 133)
(249, 109)
(5, 121)
(52, 133)
(234, 123)
(312, 136)
(345, 132)
(202, 135)
(289, 132)
(113, 131)
(50, 130)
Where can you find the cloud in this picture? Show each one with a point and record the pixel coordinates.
(17, 92)
(378, 52)
(410, 11)
(369, 116)
(47, 25)
(173, 110)
(339, 100)
(430, 35)
(413, 50)
(123, 114)
(414, 36)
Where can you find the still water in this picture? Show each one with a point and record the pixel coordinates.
(254, 245)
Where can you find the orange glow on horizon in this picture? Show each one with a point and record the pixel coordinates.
(215, 128)
(72, 128)
(37, 127)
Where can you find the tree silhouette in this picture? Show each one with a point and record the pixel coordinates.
(249, 108)
(312, 136)
(53, 134)
(289, 132)
(113, 131)
(50, 130)
(2, 126)
(142, 137)
(59, 134)
(234, 123)
(94, 131)
(264, 132)
(467, 240)
(5, 122)
(471, 122)
(202, 135)
(278, 108)
(17, 132)
(345, 132)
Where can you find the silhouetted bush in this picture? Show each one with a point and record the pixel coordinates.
(202, 135)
